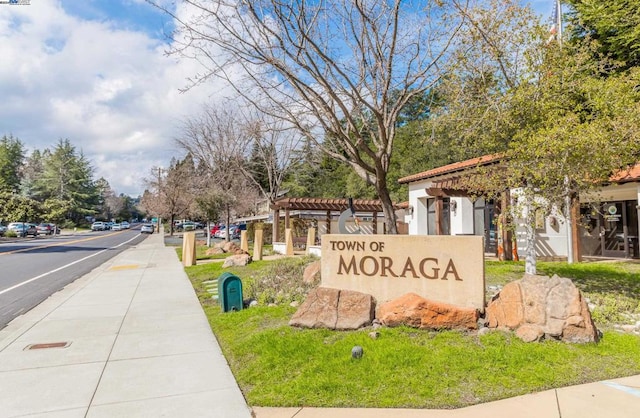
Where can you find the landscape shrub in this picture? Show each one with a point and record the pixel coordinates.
(281, 282)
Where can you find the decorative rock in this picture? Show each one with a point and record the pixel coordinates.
(357, 352)
(374, 335)
(538, 306)
(214, 251)
(334, 309)
(530, 333)
(294, 304)
(311, 273)
(375, 324)
(418, 312)
(231, 247)
(483, 331)
(253, 303)
(628, 328)
(238, 260)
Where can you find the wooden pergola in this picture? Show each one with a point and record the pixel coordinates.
(318, 204)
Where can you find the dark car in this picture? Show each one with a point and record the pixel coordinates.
(47, 229)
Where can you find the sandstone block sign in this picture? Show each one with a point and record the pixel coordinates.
(448, 269)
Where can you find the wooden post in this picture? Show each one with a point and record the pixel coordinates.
(287, 219)
(244, 242)
(439, 210)
(189, 249)
(374, 223)
(288, 241)
(311, 239)
(275, 232)
(328, 222)
(257, 245)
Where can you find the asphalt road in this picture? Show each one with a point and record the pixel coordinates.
(33, 269)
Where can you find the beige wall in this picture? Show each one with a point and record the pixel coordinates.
(448, 269)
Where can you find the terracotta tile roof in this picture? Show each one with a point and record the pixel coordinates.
(452, 168)
(628, 175)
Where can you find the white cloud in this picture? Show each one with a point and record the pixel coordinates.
(113, 93)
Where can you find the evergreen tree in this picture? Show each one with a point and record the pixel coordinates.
(11, 160)
(614, 25)
(32, 171)
(68, 176)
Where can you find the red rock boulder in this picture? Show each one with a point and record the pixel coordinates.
(415, 311)
(334, 309)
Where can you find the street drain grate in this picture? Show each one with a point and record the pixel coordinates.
(63, 344)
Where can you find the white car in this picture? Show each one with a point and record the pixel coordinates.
(124, 225)
(147, 229)
(116, 227)
(98, 226)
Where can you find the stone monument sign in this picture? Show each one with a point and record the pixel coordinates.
(443, 268)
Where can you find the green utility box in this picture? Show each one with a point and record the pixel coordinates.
(230, 292)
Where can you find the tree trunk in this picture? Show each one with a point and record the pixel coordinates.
(387, 205)
(530, 257)
(228, 222)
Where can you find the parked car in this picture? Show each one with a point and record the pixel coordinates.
(108, 225)
(23, 229)
(47, 229)
(221, 232)
(125, 225)
(186, 226)
(98, 226)
(3, 229)
(147, 229)
(116, 227)
(215, 228)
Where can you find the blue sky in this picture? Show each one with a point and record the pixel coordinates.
(133, 15)
(96, 72)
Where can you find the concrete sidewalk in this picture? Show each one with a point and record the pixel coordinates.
(136, 343)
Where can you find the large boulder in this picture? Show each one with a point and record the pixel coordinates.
(214, 251)
(415, 311)
(312, 273)
(541, 306)
(238, 260)
(334, 309)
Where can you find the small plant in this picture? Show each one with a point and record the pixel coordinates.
(281, 282)
(10, 234)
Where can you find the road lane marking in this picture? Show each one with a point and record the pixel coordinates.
(58, 244)
(33, 279)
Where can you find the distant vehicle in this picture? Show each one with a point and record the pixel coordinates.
(3, 229)
(116, 227)
(98, 226)
(221, 232)
(236, 230)
(215, 228)
(124, 225)
(147, 229)
(108, 225)
(23, 229)
(47, 229)
(186, 226)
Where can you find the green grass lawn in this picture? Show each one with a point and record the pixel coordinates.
(277, 365)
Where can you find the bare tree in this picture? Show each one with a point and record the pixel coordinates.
(340, 71)
(274, 152)
(170, 193)
(218, 140)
